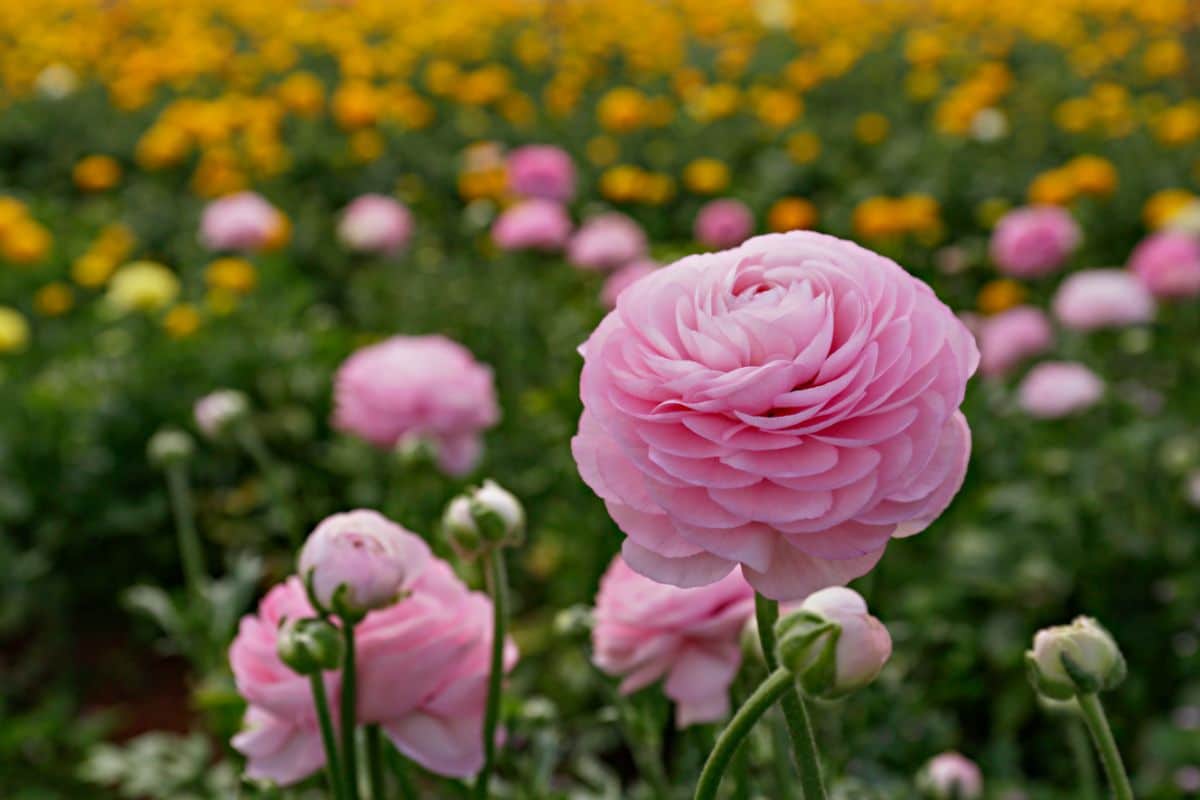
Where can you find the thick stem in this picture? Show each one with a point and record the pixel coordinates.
(399, 767)
(777, 684)
(333, 761)
(1106, 746)
(254, 445)
(190, 552)
(1085, 764)
(349, 703)
(375, 761)
(804, 745)
(497, 579)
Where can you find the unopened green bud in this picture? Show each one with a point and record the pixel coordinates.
(1075, 659)
(832, 644)
(309, 645)
(483, 517)
(170, 446)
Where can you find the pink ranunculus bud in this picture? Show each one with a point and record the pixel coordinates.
(1010, 337)
(1168, 264)
(606, 241)
(623, 278)
(832, 644)
(1056, 389)
(532, 225)
(375, 223)
(360, 560)
(646, 631)
(422, 387)
(789, 405)
(723, 223)
(1034, 241)
(951, 776)
(541, 170)
(244, 222)
(1102, 298)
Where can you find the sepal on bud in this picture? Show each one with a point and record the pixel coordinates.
(806, 645)
(483, 517)
(309, 645)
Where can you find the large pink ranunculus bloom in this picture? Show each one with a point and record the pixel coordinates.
(418, 387)
(1168, 263)
(1102, 298)
(723, 223)
(532, 225)
(623, 278)
(375, 223)
(646, 631)
(1010, 337)
(422, 676)
(607, 241)
(244, 221)
(1034, 241)
(789, 405)
(541, 170)
(1056, 389)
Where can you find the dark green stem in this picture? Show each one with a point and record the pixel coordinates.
(777, 684)
(399, 767)
(190, 552)
(497, 579)
(333, 761)
(253, 444)
(642, 744)
(349, 744)
(1106, 746)
(375, 761)
(804, 745)
(1085, 765)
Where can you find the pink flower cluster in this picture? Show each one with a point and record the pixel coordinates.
(422, 676)
(535, 224)
(375, 223)
(541, 170)
(243, 222)
(789, 406)
(425, 387)
(723, 223)
(1034, 241)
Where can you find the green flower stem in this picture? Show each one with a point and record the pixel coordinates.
(777, 684)
(804, 746)
(190, 552)
(639, 734)
(349, 744)
(399, 767)
(497, 580)
(1085, 765)
(375, 761)
(333, 761)
(1110, 756)
(253, 444)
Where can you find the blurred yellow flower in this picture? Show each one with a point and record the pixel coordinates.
(142, 286)
(877, 218)
(356, 105)
(777, 108)
(96, 173)
(25, 242)
(367, 145)
(622, 110)
(922, 84)
(1164, 58)
(12, 211)
(623, 183)
(1054, 187)
(1163, 205)
(302, 93)
(804, 147)
(92, 269)
(991, 210)
(706, 176)
(162, 146)
(235, 275)
(1092, 175)
(602, 150)
(14, 330)
(54, 299)
(1000, 295)
(1179, 125)
(925, 48)
(791, 214)
(181, 321)
(871, 128)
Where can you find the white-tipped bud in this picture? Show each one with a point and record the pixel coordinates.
(487, 516)
(217, 412)
(169, 446)
(832, 644)
(1075, 659)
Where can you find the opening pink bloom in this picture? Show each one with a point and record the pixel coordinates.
(789, 405)
(1102, 298)
(723, 223)
(422, 675)
(418, 387)
(607, 241)
(541, 170)
(951, 776)
(244, 221)
(1168, 263)
(1010, 337)
(1059, 388)
(532, 225)
(375, 223)
(1034, 241)
(623, 278)
(646, 631)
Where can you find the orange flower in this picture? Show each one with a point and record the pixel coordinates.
(96, 173)
(790, 214)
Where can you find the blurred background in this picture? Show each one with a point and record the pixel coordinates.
(911, 127)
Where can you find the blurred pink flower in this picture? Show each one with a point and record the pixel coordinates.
(723, 223)
(607, 241)
(789, 405)
(371, 556)
(1056, 389)
(1168, 263)
(1102, 298)
(532, 225)
(1033, 241)
(244, 221)
(951, 776)
(1010, 337)
(422, 675)
(623, 278)
(646, 631)
(417, 387)
(541, 170)
(375, 223)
